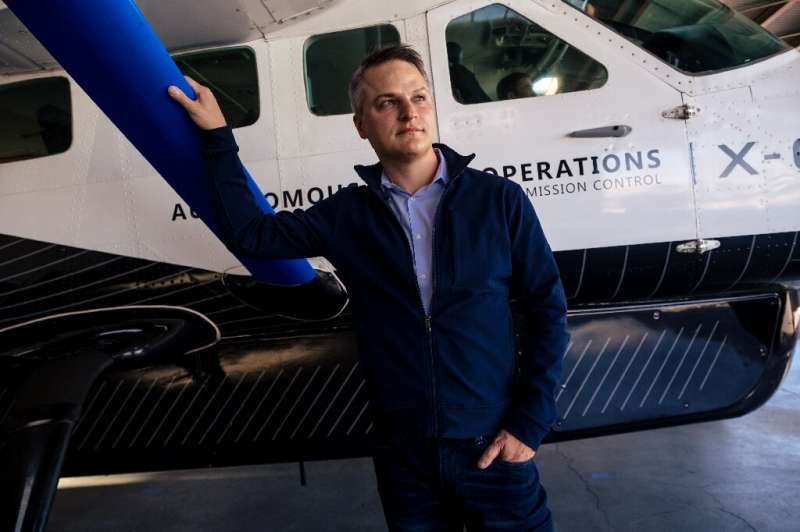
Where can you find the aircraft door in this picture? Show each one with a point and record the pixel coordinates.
(730, 191)
(549, 100)
(744, 145)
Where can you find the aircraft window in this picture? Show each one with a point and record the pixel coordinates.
(232, 76)
(695, 36)
(330, 61)
(37, 119)
(497, 54)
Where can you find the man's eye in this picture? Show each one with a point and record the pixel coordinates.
(386, 104)
(420, 98)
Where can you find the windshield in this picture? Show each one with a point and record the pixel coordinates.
(695, 36)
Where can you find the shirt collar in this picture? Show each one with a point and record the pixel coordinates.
(441, 174)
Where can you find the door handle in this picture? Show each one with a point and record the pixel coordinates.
(600, 132)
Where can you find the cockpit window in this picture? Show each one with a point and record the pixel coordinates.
(495, 54)
(37, 119)
(232, 76)
(695, 36)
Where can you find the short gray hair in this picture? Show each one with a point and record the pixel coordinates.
(395, 52)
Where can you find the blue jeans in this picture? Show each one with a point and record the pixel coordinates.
(435, 485)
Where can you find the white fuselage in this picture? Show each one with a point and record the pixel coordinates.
(730, 170)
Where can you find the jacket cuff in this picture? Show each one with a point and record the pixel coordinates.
(218, 140)
(525, 429)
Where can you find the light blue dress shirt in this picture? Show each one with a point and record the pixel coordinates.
(416, 215)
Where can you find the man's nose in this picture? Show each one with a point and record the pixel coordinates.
(407, 109)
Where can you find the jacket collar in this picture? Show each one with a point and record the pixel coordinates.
(456, 164)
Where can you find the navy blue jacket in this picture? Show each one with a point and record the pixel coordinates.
(453, 373)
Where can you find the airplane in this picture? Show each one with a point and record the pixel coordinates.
(656, 141)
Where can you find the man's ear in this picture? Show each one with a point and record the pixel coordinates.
(359, 125)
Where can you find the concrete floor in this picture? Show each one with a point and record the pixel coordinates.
(734, 475)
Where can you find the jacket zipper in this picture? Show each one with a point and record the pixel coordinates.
(434, 271)
(428, 328)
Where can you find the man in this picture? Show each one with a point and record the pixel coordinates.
(431, 251)
(466, 87)
(515, 85)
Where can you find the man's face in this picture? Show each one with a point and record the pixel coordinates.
(397, 113)
(523, 88)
